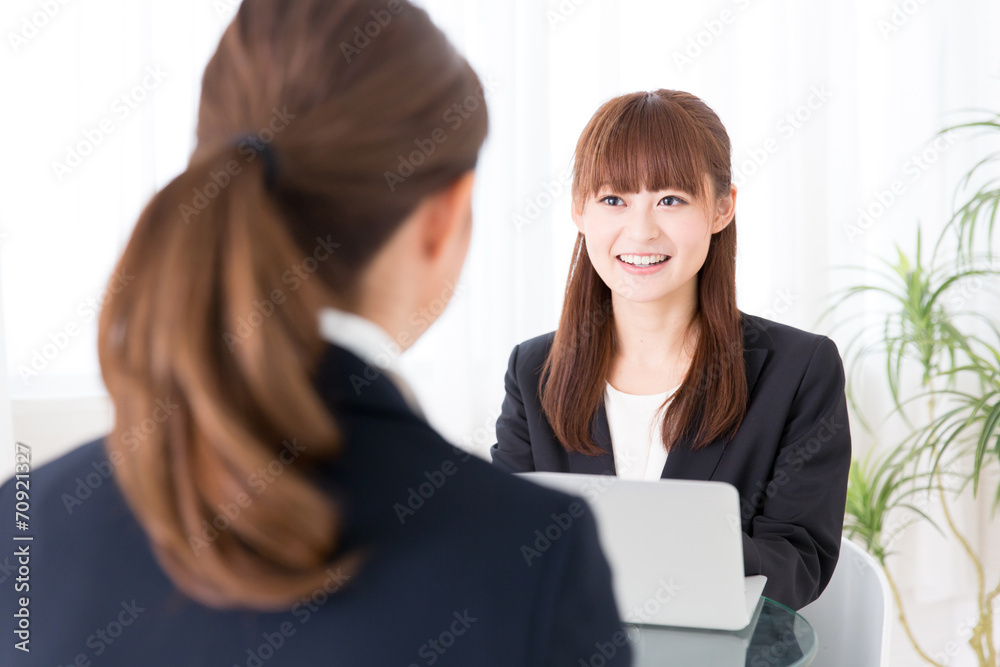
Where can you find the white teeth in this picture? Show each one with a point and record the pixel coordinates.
(642, 260)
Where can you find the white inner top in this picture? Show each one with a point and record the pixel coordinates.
(636, 424)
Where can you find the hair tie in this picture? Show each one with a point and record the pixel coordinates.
(266, 153)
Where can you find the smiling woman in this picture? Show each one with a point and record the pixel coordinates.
(639, 162)
(655, 373)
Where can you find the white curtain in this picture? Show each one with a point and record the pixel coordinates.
(832, 108)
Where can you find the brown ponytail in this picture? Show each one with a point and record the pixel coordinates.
(220, 321)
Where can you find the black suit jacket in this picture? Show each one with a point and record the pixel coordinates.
(789, 460)
(458, 575)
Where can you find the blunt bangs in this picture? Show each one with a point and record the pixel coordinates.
(641, 141)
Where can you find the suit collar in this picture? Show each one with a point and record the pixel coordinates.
(683, 463)
(369, 342)
(347, 383)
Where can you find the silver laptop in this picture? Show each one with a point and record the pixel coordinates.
(675, 548)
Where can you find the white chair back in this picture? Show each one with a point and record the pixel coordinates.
(853, 616)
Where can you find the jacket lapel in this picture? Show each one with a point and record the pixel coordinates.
(602, 464)
(347, 383)
(685, 463)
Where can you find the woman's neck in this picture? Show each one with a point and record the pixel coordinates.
(656, 342)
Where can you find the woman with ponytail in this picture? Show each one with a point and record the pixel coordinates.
(270, 493)
(655, 373)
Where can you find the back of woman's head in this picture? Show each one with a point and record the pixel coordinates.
(655, 141)
(322, 126)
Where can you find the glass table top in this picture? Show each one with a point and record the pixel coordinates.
(777, 637)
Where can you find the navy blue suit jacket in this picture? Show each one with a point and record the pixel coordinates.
(789, 460)
(459, 574)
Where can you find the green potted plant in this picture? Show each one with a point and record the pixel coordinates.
(952, 417)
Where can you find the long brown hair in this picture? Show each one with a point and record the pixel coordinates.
(322, 125)
(656, 140)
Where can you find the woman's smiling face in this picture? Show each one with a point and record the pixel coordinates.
(650, 245)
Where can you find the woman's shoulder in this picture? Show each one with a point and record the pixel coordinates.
(534, 350)
(759, 332)
(541, 342)
(789, 352)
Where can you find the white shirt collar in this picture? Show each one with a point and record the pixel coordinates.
(368, 341)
